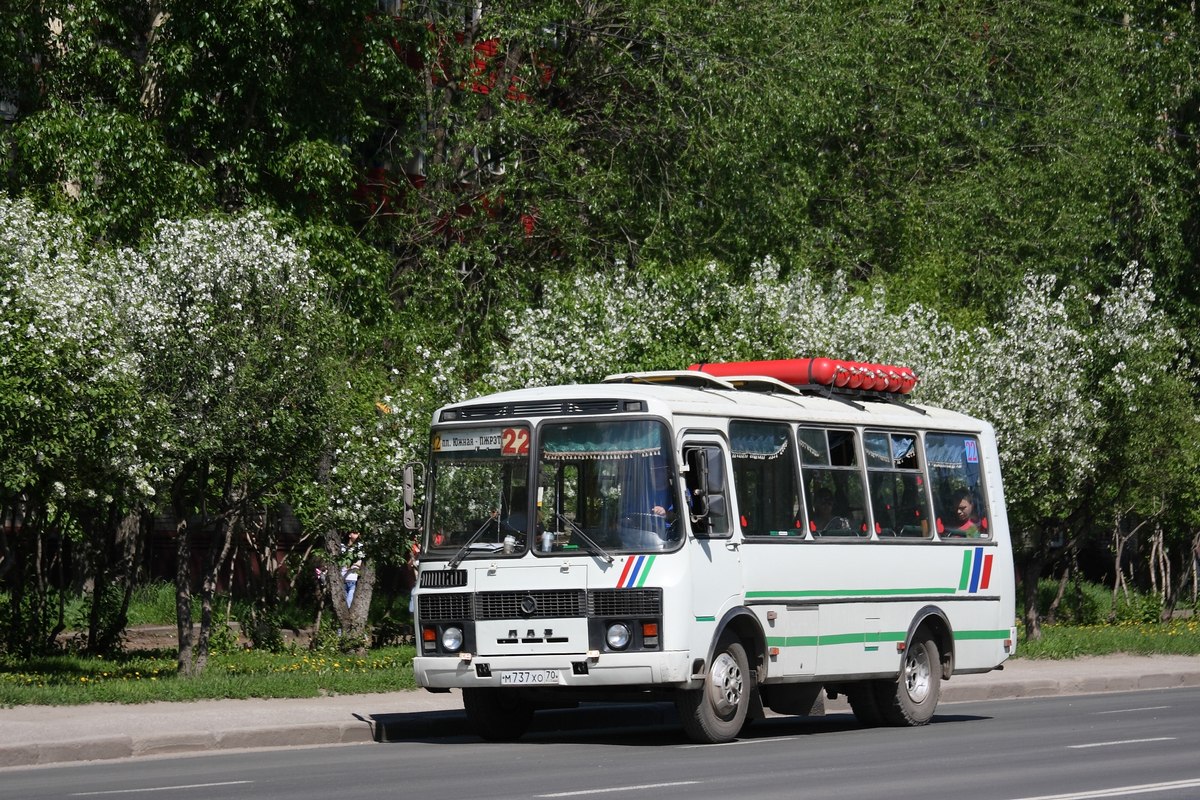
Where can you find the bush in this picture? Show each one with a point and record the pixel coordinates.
(1083, 603)
(264, 629)
(1138, 607)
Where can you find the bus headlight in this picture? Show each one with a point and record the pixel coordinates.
(617, 635)
(452, 639)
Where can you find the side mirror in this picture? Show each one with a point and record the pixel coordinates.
(696, 486)
(412, 473)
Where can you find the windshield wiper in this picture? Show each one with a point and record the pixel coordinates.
(592, 547)
(462, 551)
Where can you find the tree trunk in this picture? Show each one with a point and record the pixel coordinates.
(218, 556)
(1031, 573)
(1052, 612)
(183, 591)
(117, 568)
(1120, 539)
(1188, 569)
(352, 619)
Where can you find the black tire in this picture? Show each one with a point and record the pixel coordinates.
(497, 715)
(912, 698)
(717, 712)
(864, 703)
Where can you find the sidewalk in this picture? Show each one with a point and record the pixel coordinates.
(32, 735)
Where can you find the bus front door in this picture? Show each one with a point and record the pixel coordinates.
(714, 541)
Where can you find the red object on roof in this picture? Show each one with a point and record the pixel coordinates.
(832, 373)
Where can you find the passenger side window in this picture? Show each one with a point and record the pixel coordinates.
(959, 501)
(833, 484)
(899, 502)
(764, 479)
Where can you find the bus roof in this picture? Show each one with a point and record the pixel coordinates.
(691, 394)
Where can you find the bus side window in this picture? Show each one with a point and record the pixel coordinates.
(898, 499)
(831, 470)
(959, 501)
(764, 479)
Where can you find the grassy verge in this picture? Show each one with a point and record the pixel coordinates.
(1178, 637)
(145, 676)
(150, 675)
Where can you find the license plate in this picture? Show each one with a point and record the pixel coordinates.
(529, 677)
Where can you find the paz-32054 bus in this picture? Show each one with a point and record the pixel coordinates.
(732, 536)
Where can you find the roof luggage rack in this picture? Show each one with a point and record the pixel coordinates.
(674, 377)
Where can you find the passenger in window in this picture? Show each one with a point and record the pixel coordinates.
(965, 523)
(823, 518)
(822, 510)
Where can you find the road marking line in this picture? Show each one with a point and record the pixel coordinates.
(1121, 741)
(620, 789)
(162, 788)
(1129, 710)
(1121, 791)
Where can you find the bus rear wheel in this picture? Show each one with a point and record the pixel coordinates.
(913, 697)
(497, 715)
(717, 712)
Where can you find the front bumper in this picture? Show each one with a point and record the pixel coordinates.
(670, 668)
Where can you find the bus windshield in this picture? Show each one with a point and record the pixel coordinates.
(607, 483)
(480, 486)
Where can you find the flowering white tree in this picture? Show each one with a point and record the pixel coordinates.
(71, 452)
(236, 338)
(381, 425)
(1034, 374)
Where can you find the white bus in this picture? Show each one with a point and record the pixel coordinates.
(734, 537)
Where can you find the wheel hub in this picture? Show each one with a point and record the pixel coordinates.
(725, 684)
(918, 674)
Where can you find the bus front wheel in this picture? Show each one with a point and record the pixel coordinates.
(716, 712)
(912, 698)
(497, 715)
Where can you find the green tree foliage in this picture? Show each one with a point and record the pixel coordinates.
(452, 168)
(237, 344)
(70, 406)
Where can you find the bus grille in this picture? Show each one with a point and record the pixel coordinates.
(443, 578)
(625, 603)
(454, 606)
(541, 604)
(530, 604)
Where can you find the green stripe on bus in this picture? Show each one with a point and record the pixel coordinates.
(646, 572)
(836, 638)
(706, 619)
(965, 579)
(917, 590)
(1000, 634)
(869, 638)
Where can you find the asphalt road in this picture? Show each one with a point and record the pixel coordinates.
(1139, 744)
